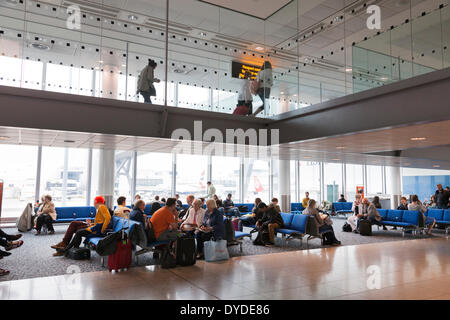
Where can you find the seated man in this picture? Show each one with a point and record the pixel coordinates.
(275, 205)
(270, 221)
(138, 214)
(228, 206)
(98, 228)
(371, 213)
(122, 211)
(257, 213)
(342, 198)
(155, 205)
(213, 227)
(164, 223)
(179, 203)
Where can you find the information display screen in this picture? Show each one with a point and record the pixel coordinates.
(238, 70)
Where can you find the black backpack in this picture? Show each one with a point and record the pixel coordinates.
(262, 238)
(78, 254)
(347, 228)
(150, 232)
(243, 209)
(168, 260)
(186, 254)
(229, 231)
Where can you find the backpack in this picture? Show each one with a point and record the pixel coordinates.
(365, 227)
(229, 231)
(346, 227)
(243, 209)
(262, 238)
(168, 260)
(24, 222)
(78, 254)
(150, 232)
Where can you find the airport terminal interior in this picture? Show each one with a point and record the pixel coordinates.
(110, 104)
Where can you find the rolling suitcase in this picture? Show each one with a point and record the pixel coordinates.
(241, 111)
(365, 228)
(237, 224)
(186, 254)
(121, 259)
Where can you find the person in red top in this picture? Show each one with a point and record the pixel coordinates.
(164, 224)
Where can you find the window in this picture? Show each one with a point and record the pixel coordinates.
(354, 178)
(374, 180)
(192, 175)
(154, 175)
(332, 181)
(310, 180)
(193, 97)
(64, 175)
(19, 178)
(123, 182)
(256, 180)
(225, 176)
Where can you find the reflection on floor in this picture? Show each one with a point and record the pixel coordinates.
(414, 269)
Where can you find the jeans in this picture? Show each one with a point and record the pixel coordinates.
(73, 228)
(248, 221)
(76, 241)
(232, 212)
(264, 93)
(44, 219)
(147, 98)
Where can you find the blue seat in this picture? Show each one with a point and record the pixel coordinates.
(69, 214)
(394, 216)
(240, 234)
(435, 213)
(297, 206)
(342, 207)
(445, 218)
(411, 217)
(299, 222)
(383, 213)
(287, 219)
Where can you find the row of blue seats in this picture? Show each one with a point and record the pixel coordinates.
(69, 214)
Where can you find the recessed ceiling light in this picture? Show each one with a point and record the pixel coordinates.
(384, 78)
(133, 17)
(40, 46)
(436, 166)
(259, 48)
(341, 147)
(336, 159)
(418, 139)
(4, 138)
(348, 69)
(101, 61)
(281, 92)
(124, 65)
(202, 34)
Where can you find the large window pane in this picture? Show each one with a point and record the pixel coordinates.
(18, 172)
(123, 175)
(64, 175)
(333, 181)
(192, 175)
(354, 178)
(310, 180)
(256, 180)
(374, 180)
(154, 175)
(225, 176)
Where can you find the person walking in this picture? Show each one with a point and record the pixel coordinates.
(146, 79)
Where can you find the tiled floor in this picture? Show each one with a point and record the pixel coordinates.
(415, 269)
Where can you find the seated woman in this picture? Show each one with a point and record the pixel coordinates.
(194, 218)
(370, 212)
(138, 214)
(46, 214)
(416, 205)
(213, 227)
(98, 228)
(356, 207)
(329, 237)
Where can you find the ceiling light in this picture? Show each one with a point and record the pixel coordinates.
(336, 159)
(348, 69)
(436, 166)
(281, 92)
(133, 17)
(384, 79)
(418, 139)
(69, 141)
(40, 46)
(101, 61)
(202, 34)
(341, 148)
(4, 138)
(124, 65)
(259, 48)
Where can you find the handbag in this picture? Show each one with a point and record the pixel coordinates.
(152, 91)
(216, 250)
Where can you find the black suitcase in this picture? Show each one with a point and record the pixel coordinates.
(78, 254)
(229, 231)
(186, 255)
(365, 228)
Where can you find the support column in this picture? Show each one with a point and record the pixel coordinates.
(394, 177)
(106, 176)
(284, 185)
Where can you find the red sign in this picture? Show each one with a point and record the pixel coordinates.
(360, 190)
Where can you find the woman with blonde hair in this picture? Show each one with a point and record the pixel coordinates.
(323, 223)
(213, 227)
(46, 214)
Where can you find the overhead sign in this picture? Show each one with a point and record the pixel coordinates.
(238, 70)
